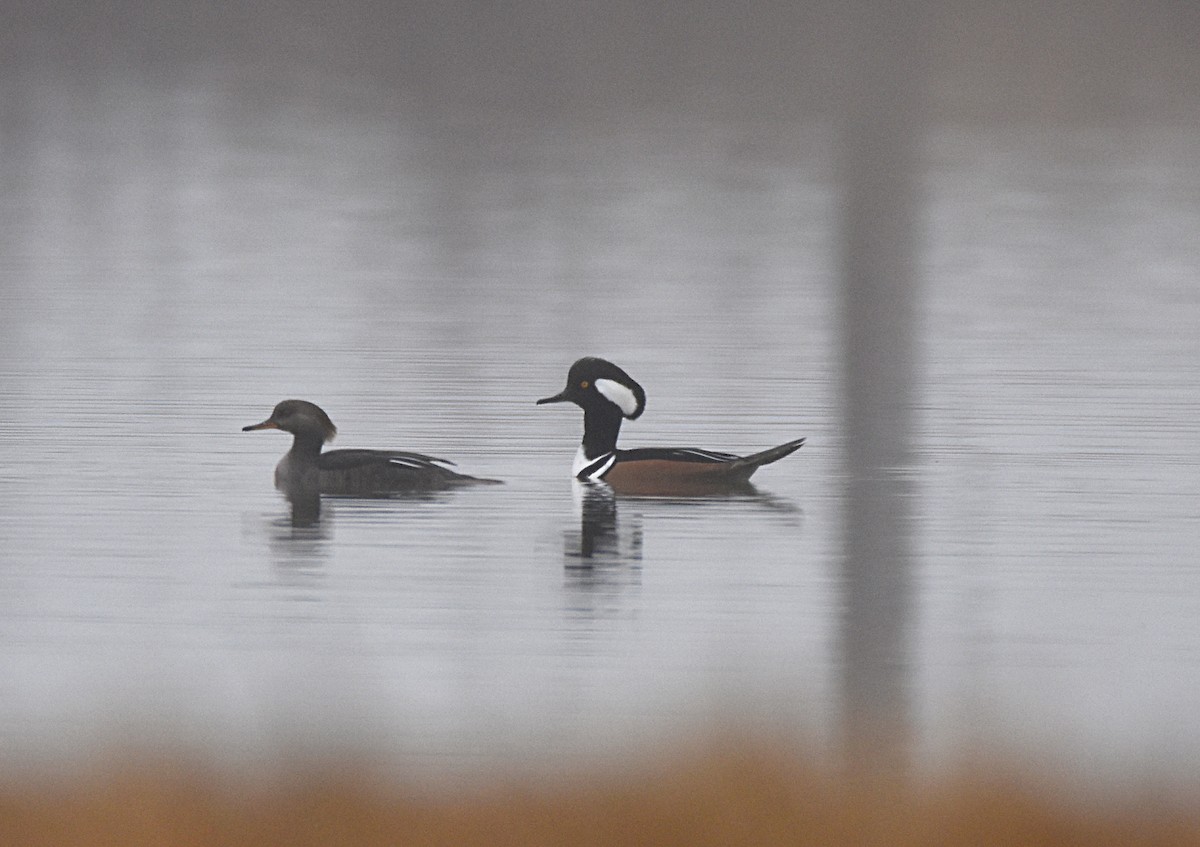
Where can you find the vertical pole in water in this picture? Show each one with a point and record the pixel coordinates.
(878, 237)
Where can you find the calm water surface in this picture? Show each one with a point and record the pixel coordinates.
(176, 258)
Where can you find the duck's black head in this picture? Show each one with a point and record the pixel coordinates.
(596, 384)
(300, 418)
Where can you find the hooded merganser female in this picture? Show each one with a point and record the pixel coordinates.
(607, 395)
(362, 473)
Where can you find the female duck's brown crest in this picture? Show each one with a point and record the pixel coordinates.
(298, 416)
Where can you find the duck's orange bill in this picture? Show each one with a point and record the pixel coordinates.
(264, 425)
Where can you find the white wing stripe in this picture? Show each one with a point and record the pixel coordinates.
(704, 454)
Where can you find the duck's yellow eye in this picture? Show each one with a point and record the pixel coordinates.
(583, 384)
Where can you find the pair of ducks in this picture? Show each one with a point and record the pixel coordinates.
(607, 396)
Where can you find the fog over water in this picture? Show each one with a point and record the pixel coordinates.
(418, 218)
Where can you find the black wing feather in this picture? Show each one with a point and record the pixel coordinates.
(344, 460)
(676, 454)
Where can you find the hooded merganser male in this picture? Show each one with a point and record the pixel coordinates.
(607, 395)
(363, 473)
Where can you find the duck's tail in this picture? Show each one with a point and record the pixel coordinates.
(747, 465)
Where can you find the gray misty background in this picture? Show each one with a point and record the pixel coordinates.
(418, 215)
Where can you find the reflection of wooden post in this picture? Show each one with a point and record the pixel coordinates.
(878, 242)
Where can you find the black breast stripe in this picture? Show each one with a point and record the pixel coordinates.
(597, 468)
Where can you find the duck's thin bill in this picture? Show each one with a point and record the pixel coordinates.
(561, 397)
(263, 425)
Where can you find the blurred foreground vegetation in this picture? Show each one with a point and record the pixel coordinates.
(732, 791)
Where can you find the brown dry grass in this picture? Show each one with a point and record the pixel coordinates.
(742, 793)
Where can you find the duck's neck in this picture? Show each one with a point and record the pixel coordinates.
(298, 473)
(600, 429)
(306, 447)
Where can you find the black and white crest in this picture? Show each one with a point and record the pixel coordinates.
(594, 383)
(612, 383)
(624, 397)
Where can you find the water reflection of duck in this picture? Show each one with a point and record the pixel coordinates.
(607, 395)
(362, 473)
(600, 540)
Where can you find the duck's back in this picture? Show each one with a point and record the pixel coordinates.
(368, 472)
(687, 470)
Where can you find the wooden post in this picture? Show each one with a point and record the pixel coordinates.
(878, 245)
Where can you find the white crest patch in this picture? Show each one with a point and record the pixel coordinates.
(621, 395)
